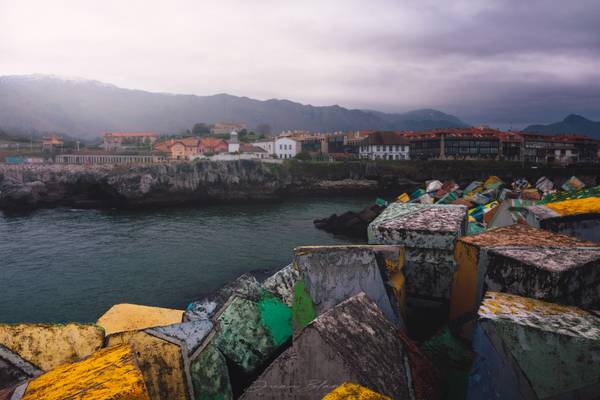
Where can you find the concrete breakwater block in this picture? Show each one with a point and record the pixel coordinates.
(14, 369)
(428, 233)
(178, 361)
(133, 317)
(107, 374)
(249, 333)
(576, 217)
(282, 283)
(332, 274)
(530, 349)
(352, 391)
(47, 346)
(526, 261)
(352, 342)
(245, 286)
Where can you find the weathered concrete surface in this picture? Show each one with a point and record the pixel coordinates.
(133, 317)
(210, 376)
(245, 286)
(419, 226)
(160, 361)
(577, 217)
(352, 391)
(282, 283)
(249, 333)
(530, 349)
(189, 335)
(428, 233)
(14, 369)
(107, 374)
(352, 342)
(47, 346)
(523, 260)
(332, 274)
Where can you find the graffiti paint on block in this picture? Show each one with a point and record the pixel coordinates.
(528, 348)
(160, 361)
(133, 317)
(14, 369)
(303, 309)
(282, 283)
(523, 260)
(352, 391)
(247, 335)
(245, 286)
(577, 217)
(107, 374)
(49, 345)
(332, 274)
(352, 342)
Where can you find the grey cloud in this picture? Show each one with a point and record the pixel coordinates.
(485, 61)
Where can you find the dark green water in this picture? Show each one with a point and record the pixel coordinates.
(71, 265)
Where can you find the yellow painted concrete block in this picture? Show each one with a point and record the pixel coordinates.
(352, 391)
(133, 317)
(161, 363)
(590, 205)
(49, 345)
(463, 295)
(107, 374)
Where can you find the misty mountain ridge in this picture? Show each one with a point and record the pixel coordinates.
(573, 123)
(87, 108)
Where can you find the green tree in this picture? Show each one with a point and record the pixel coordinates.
(303, 156)
(200, 129)
(264, 129)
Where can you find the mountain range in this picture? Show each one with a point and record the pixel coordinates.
(87, 108)
(571, 124)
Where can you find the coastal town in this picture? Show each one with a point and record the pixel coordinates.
(233, 141)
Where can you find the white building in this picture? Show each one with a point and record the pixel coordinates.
(384, 146)
(233, 146)
(280, 147)
(286, 148)
(267, 145)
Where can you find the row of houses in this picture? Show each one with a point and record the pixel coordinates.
(440, 144)
(191, 148)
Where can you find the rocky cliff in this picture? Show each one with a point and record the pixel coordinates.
(31, 186)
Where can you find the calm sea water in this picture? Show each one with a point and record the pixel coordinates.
(62, 265)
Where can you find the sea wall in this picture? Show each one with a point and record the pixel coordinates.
(31, 186)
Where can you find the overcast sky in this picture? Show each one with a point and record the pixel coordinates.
(495, 62)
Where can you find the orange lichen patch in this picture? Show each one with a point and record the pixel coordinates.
(107, 374)
(160, 361)
(132, 317)
(590, 205)
(463, 295)
(523, 235)
(498, 304)
(352, 391)
(47, 346)
(396, 282)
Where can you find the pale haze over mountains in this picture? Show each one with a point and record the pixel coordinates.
(86, 109)
(504, 63)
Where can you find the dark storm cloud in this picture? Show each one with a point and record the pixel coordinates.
(486, 61)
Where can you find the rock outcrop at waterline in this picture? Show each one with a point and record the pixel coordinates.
(32, 186)
(161, 184)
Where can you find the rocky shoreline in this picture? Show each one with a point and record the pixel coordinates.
(35, 186)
